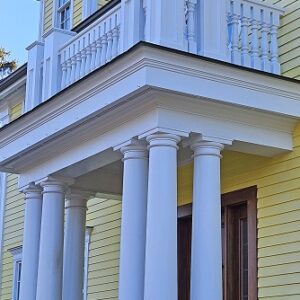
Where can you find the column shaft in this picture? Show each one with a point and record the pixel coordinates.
(74, 247)
(50, 269)
(31, 242)
(161, 237)
(133, 228)
(206, 268)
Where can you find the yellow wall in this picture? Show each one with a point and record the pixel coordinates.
(77, 12)
(13, 232)
(105, 218)
(278, 182)
(48, 15)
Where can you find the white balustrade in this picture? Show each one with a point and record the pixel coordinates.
(91, 48)
(252, 28)
(253, 34)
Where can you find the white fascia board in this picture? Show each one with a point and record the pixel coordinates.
(41, 134)
(223, 82)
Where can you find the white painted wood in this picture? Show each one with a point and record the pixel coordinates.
(132, 20)
(34, 75)
(54, 39)
(206, 259)
(161, 237)
(212, 29)
(165, 23)
(269, 124)
(262, 21)
(50, 270)
(191, 25)
(31, 241)
(74, 244)
(81, 55)
(133, 226)
(88, 233)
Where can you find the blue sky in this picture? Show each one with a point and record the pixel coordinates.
(18, 26)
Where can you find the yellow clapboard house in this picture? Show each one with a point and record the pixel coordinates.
(177, 119)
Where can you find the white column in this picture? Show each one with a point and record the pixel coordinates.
(50, 271)
(76, 207)
(206, 264)
(31, 241)
(161, 237)
(133, 228)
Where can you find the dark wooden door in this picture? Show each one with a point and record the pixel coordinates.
(235, 252)
(184, 257)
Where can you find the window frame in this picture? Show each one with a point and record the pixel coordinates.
(17, 264)
(246, 196)
(58, 12)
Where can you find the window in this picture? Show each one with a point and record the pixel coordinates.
(17, 267)
(239, 246)
(64, 14)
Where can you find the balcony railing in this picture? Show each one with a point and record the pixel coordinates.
(252, 34)
(91, 48)
(242, 32)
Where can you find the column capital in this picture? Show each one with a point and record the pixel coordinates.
(77, 198)
(135, 150)
(163, 139)
(32, 191)
(55, 184)
(204, 146)
(207, 148)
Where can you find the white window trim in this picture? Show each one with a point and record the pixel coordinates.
(17, 258)
(88, 232)
(55, 15)
(3, 185)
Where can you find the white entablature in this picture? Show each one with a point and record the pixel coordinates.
(148, 90)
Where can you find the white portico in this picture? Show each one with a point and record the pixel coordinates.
(153, 109)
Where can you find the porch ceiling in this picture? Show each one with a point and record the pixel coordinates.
(150, 89)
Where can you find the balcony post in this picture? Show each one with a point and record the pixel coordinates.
(132, 21)
(165, 23)
(34, 75)
(54, 40)
(213, 29)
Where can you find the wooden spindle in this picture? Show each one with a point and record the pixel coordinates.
(191, 25)
(246, 61)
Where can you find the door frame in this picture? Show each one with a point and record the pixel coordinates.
(249, 196)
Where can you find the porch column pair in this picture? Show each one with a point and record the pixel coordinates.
(148, 258)
(43, 258)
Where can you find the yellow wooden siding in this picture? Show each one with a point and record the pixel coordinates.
(13, 232)
(289, 37)
(105, 218)
(77, 12)
(278, 182)
(15, 111)
(48, 15)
